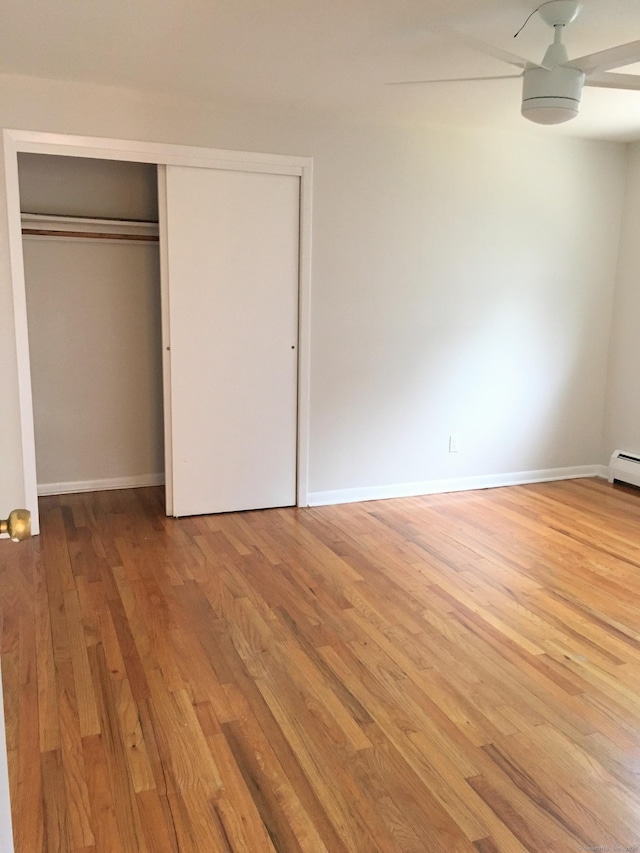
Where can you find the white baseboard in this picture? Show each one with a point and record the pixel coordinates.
(134, 482)
(434, 487)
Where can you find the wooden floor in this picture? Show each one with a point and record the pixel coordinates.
(450, 673)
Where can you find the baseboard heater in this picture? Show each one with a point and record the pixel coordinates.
(624, 467)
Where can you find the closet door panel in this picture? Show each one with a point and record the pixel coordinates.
(232, 265)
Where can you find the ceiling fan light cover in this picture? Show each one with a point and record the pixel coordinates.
(551, 96)
(550, 110)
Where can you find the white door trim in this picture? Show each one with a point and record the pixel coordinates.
(16, 262)
(166, 338)
(38, 142)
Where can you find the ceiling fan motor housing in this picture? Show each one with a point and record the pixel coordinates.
(551, 96)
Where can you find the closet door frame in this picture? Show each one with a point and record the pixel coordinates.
(159, 154)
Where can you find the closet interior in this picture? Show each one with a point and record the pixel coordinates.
(92, 271)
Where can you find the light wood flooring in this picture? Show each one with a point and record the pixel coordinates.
(449, 673)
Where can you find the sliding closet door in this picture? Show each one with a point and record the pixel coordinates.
(232, 241)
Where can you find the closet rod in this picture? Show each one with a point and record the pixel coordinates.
(93, 235)
(88, 228)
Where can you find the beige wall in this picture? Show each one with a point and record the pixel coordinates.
(94, 326)
(462, 279)
(75, 186)
(622, 419)
(94, 339)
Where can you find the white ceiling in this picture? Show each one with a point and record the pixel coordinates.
(318, 55)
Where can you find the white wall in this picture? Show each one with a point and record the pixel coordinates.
(622, 420)
(468, 289)
(462, 280)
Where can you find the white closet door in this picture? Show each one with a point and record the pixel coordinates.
(232, 270)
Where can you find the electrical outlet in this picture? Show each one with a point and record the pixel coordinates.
(454, 443)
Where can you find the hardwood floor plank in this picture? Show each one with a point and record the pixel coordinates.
(121, 782)
(157, 821)
(56, 821)
(436, 829)
(551, 761)
(282, 771)
(183, 749)
(84, 687)
(48, 720)
(341, 811)
(394, 723)
(133, 741)
(237, 809)
(128, 651)
(454, 672)
(73, 761)
(100, 794)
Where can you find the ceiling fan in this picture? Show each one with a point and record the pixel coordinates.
(552, 88)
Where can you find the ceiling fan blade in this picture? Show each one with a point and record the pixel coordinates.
(452, 80)
(609, 80)
(614, 57)
(483, 47)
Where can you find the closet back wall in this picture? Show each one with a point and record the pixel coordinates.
(75, 186)
(94, 328)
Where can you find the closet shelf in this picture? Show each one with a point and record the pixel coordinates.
(74, 227)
